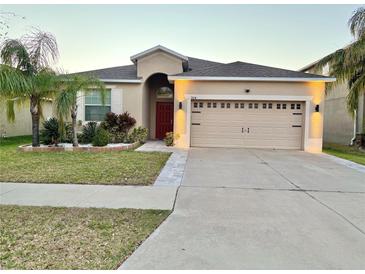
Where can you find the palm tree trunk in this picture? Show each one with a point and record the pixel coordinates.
(75, 142)
(35, 122)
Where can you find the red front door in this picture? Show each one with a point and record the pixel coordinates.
(164, 118)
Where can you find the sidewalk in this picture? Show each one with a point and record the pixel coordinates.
(70, 195)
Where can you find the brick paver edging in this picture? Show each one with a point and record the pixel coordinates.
(27, 148)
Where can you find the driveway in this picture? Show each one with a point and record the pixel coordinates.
(261, 209)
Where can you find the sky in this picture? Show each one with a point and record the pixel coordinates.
(99, 36)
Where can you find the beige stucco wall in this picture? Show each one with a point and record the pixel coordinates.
(338, 122)
(158, 62)
(312, 89)
(124, 97)
(23, 122)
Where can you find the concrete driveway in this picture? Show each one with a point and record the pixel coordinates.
(261, 209)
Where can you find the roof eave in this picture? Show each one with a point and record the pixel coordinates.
(128, 81)
(253, 79)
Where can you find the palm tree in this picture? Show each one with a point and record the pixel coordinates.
(348, 64)
(66, 102)
(26, 76)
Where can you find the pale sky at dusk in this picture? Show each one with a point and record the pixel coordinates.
(98, 36)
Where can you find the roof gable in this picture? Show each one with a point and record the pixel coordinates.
(157, 48)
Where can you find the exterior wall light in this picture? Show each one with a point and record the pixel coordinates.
(316, 108)
(180, 105)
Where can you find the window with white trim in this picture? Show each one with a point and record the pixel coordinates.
(94, 109)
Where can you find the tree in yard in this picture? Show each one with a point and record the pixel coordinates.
(26, 76)
(66, 101)
(348, 64)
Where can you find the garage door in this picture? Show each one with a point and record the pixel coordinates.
(247, 124)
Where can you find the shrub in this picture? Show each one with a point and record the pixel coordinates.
(118, 125)
(50, 133)
(88, 132)
(101, 137)
(170, 137)
(68, 134)
(138, 134)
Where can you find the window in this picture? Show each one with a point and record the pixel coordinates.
(242, 105)
(256, 105)
(209, 105)
(195, 104)
(94, 109)
(292, 106)
(284, 106)
(201, 104)
(222, 105)
(214, 105)
(278, 106)
(236, 105)
(250, 105)
(270, 105)
(228, 105)
(298, 106)
(264, 105)
(164, 92)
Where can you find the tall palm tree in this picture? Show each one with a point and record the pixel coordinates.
(348, 64)
(66, 101)
(26, 76)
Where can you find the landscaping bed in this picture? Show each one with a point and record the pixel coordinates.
(111, 167)
(346, 152)
(72, 238)
(81, 147)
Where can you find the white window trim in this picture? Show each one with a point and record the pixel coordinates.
(306, 99)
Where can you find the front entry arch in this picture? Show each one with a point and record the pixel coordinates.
(160, 108)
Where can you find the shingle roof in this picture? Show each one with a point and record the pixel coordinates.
(241, 69)
(205, 68)
(122, 72)
(130, 72)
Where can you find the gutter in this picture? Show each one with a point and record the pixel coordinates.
(131, 81)
(352, 142)
(252, 79)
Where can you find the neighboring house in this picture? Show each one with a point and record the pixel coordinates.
(211, 104)
(341, 126)
(22, 125)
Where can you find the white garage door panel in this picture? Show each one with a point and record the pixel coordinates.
(247, 127)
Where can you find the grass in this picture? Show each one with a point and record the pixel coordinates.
(72, 238)
(345, 152)
(117, 167)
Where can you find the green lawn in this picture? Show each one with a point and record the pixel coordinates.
(72, 238)
(345, 152)
(117, 167)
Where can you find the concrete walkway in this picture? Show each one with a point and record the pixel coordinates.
(261, 209)
(161, 195)
(68, 195)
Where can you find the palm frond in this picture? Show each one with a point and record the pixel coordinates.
(357, 23)
(42, 48)
(12, 82)
(356, 87)
(14, 53)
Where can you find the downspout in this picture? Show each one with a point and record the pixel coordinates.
(355, 129)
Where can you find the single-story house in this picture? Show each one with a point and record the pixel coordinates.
(212, 104)
(341, 126)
